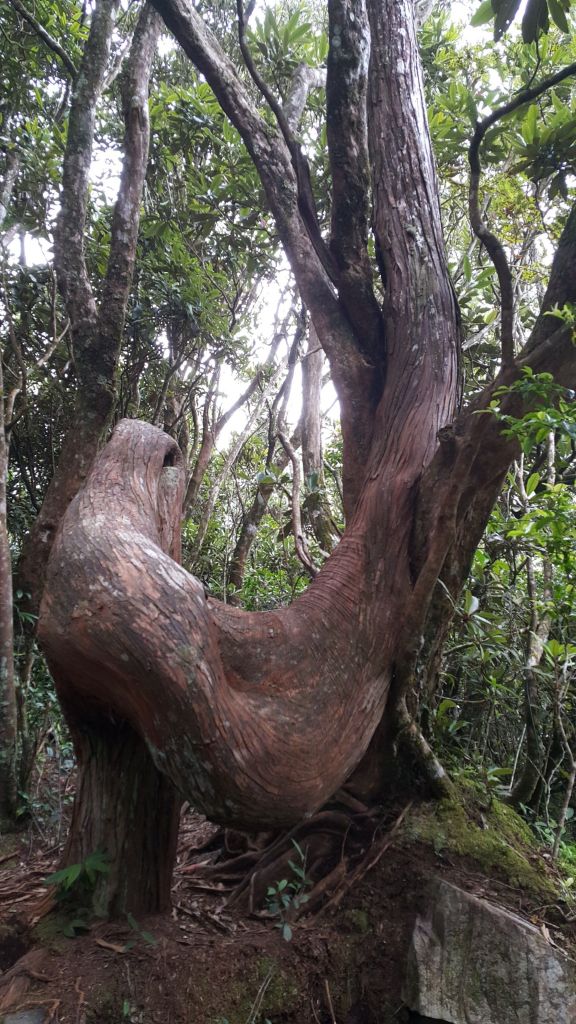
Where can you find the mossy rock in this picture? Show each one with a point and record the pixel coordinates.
(489, 833)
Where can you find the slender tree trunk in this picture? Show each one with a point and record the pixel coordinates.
(96, 333)
(8, 711)
(316, 501)
(252, 519)
(538, 632)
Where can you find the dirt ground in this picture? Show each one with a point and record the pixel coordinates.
(207, 963)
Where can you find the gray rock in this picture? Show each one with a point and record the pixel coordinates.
(471, 962)
(35, 1015)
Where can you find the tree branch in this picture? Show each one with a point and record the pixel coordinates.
(45, 36)
(492, 244)
(273, 160)
(306, 201)
(347, 133)
(298, 534)
(69, 259)
(102, 354)
(302, 82)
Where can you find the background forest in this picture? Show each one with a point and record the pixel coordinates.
(218, 349)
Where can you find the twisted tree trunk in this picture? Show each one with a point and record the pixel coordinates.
(259, 717)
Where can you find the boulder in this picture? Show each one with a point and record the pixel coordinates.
(471, 962)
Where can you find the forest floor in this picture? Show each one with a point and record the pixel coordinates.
(209, 963)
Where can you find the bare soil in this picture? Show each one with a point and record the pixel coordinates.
(207, 963)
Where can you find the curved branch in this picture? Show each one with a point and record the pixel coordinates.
(492, 244)
(45, 36)
(306, 201)
(228, 702)
(496, 252)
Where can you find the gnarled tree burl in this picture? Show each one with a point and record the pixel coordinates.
(258, 718)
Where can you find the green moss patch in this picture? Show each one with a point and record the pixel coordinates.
(493, 836)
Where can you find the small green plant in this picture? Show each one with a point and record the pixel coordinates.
(140, 932)
(284, 898)
(75, 886)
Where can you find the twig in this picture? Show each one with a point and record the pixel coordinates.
(255, 1008)
(329, 1001)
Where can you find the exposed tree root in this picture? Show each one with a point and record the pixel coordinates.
(333, 849)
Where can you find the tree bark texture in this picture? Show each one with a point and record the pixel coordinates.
(8, 711)
(316, 503)
(127, 809)
(96, 331)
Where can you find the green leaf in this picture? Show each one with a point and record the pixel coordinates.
(505, 11)
(445, 705)
(530, 125)
(286, 932)
(483, 15)
(558, 14)
(532, 483)
(535, 20)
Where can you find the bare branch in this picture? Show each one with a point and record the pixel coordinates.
(306, 202)
(298, 534)
(303, 81)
